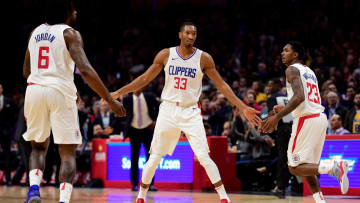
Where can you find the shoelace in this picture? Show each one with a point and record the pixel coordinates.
(336, 171)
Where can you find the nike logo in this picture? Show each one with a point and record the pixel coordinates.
(174, 58)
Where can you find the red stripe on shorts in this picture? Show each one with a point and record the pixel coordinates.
(30, 83)
(300, 125)
(63, 187)
(199, 105)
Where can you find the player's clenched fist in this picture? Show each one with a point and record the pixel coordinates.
(117, 108)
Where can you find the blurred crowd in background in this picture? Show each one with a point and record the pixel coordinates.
(245, 38)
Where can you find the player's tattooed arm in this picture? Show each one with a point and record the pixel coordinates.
(144, 79)
(208, 65)
(293, 77)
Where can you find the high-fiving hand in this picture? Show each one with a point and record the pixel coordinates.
(251, 115)
(270, 124)
(118, 108)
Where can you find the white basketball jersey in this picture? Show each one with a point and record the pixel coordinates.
(312, 102)
(51, 63)
(183, 78)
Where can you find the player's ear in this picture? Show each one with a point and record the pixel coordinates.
(180, 35)
(296, 55)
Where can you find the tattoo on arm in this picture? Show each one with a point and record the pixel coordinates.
(293, 77)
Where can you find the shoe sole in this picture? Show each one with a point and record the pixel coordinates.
(345, 180)
(35, 200)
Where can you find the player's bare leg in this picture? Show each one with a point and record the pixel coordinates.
(305, 170)
(67, 171)
(147, 176)
(314, 186)
(37, 166)
(310, 171)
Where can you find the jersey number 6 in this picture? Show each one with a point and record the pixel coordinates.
(43, 61)
(180, 83)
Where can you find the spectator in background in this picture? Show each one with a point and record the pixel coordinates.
(206, 111)
(352, 119)
(249, 100)
(223, 114)
(260, 96)
(95, 111)
(208, 130)
(235, 87)
(83, 120)
(282, 136)
(7, 120)
(333, 106)
(24, 148)
(227, 132)
(242, 87)
(262, 73)
(332, 87)
(347, 99)
(336, 127)
(142, 110)
(106, 123)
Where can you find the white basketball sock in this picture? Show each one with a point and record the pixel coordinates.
(150, 168)
(35, 177)
(210, 167)
(213, 172)
(319, 197)
(65, 192)
(142, 192)
(148, 173)
(222, 193)
(325, 168)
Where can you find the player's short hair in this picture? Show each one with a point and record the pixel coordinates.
(187, 23)
(298, 47)
(58, 10)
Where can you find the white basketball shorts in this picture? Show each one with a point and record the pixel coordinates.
(47, 109)
(307, 139)
(173, 119)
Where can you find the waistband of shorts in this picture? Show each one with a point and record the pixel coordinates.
(310, 116)
(30, 83)
(181, 104)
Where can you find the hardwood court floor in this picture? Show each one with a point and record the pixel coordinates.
(50, 194)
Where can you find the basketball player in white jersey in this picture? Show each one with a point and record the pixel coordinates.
(309, 126)
(50, 102)
(184, 68)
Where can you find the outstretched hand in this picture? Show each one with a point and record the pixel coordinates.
(251, 115)
(113, 95)
(118, 108)
(270, 124)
